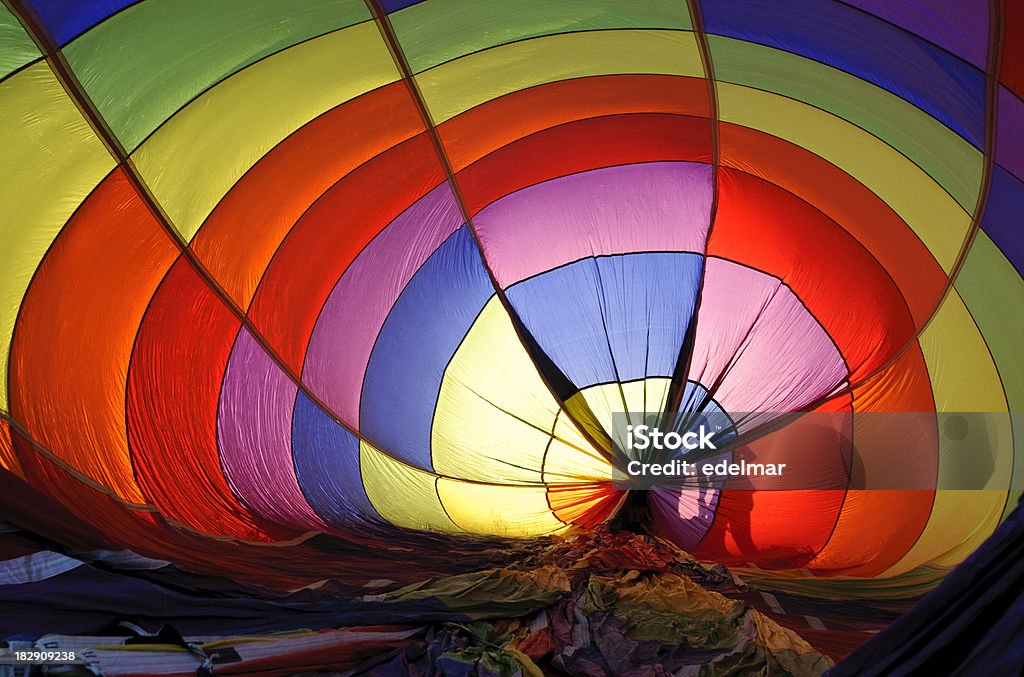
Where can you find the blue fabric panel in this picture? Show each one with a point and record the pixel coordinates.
(326, 457)
(1002, 220)
(395, 5)
(846, 38)
(422, 332)
(697, 408)
(613, 318)
(67, 19)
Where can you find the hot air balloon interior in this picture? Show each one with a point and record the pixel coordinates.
(338, 337)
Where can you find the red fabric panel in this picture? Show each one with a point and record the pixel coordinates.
(761, 225)
(1011, 72)
(71, 510)
(98, 521)
(41, 507)
(489, 126)
(583, 145)
(768, 521)
(864, 214)
(330, 235)
(173, 388)
(775, 529)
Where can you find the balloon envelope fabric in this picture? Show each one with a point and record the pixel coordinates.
(374, 269)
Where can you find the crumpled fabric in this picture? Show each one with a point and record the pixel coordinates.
(603, 604)
(598, 603)
(489, 592)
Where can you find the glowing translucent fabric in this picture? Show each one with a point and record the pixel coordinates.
(274, 268)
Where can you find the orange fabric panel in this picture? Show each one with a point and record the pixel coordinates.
(56, 504)
(53, 504)
(489, 126)
(8, 459)
(877, 527)
(584, 506)
(851, 204)
(330, 235)
(239, 238)
(73, 340)
(762, 226)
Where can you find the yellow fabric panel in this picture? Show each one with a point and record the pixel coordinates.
(192, 161)
(402, 494)
(513, 511)
(567, 464)
(570, 459)
(634, 398)
(51, 161)
(989, 284)
(568, 432)
(494, 414)
(457, 86)
(964, 379)
(656, 393)
(928, 209)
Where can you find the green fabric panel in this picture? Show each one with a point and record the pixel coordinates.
(16, 47)
(144, 63)
(489, 593)
(950, 160)
(907, 585)
(994, 294)
(436, 31)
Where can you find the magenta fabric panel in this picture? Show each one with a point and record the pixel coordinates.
(352, 317)
(660, 207)
(254, 436)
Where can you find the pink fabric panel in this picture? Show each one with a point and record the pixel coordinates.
(658, 206)
(757, 348)
(254, 426)
(353, 315)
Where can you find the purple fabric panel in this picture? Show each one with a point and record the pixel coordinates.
(958, 27)
(254, 435)
(683, 515)
(660, 206)
(351, 319)
(757, 348)
(1010, 139)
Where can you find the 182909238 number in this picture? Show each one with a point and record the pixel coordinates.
(37, 656)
